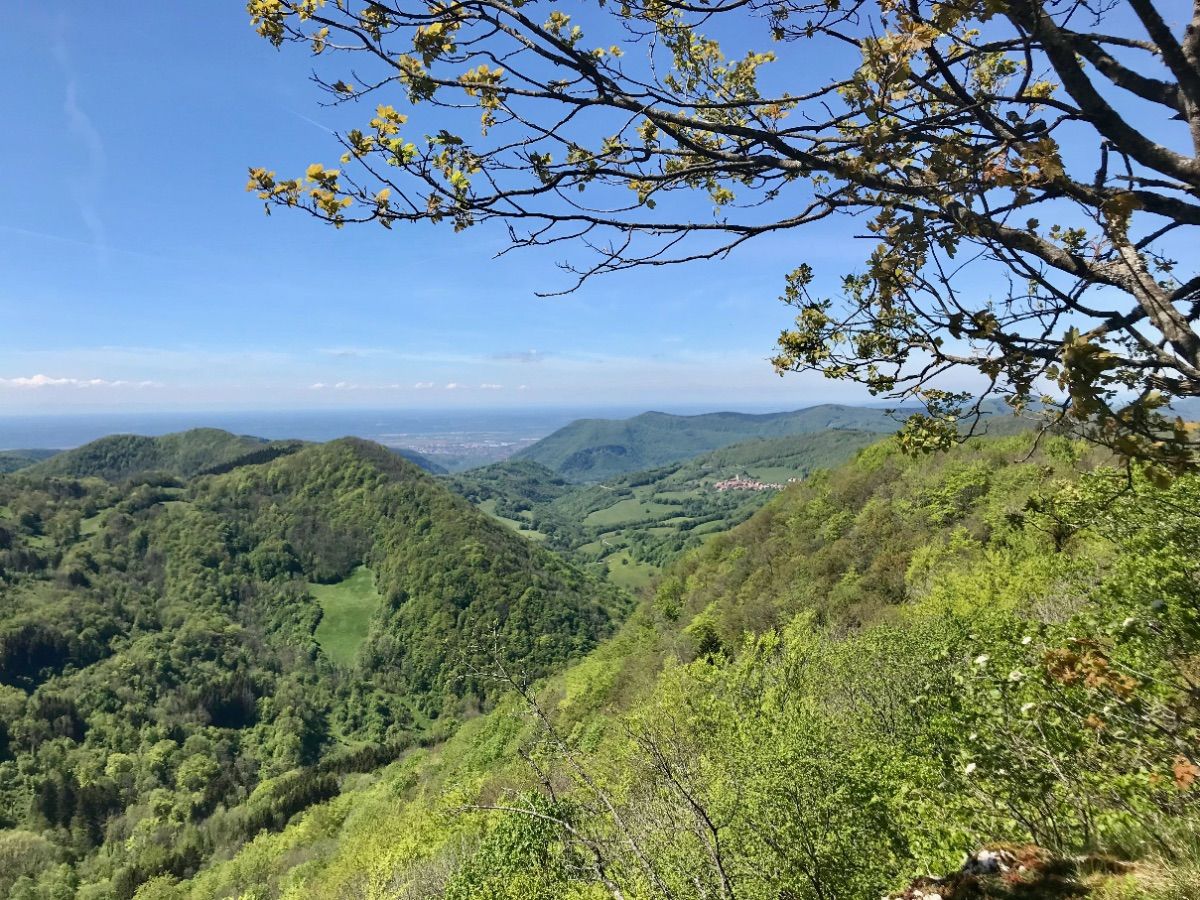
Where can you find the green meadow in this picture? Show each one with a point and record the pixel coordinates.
(346, 610)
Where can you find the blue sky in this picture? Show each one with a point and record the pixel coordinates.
(140, 275)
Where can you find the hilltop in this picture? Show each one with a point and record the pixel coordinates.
(12, 460)
(180, 455)
(592, 450)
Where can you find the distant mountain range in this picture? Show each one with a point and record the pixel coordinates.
(592, 450)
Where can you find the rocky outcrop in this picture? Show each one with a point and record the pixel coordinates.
(1009, 872)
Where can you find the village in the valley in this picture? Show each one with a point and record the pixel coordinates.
(745, 483)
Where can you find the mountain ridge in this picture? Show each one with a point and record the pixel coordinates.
(590, 450)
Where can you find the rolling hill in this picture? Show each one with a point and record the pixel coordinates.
(180, 455)
(592, 450)
(198, 451)
(12, 460)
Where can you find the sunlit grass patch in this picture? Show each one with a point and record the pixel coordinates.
(346, 609)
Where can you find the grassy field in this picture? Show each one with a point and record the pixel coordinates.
(631, 509)
(627, 572)
(347, 608)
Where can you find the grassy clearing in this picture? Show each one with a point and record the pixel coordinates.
(776, 474)
(90, 525)
(628, 510)
(627, 572)
(347, 608)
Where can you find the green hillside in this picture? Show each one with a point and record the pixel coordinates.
(597, 449)
(181, 668)
(888, 667)
(12, 460)
(181, 455)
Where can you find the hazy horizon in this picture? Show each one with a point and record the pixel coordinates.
(64, 430)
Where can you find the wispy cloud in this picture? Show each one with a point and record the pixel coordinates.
(423, 385)
(353, 352)
(313, 122)
(89, 183)
(453, 386)
(491, 387)
(522, 356)
(47, 381)
(100, 248)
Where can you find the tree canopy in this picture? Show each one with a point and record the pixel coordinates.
(1028, 172)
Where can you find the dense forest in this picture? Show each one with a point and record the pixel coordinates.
(892, 664)
(164, 689)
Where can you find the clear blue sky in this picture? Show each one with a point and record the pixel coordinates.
(138, 274)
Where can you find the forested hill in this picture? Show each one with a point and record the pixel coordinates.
(597, 449)
(181, 667)
(890, 666)
(198, 451)
(180, 455)
(12, 460)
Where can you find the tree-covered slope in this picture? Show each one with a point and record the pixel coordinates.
(183, 454)
(164, 692)
(889, 666)
(12, 460)
(597, 449)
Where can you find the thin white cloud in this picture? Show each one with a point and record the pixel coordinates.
(423, 385)
(90, 179)
(352, 352)
(319, 386)
(522, 356)
(491, 387)
(453, 386)
(47, 381)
